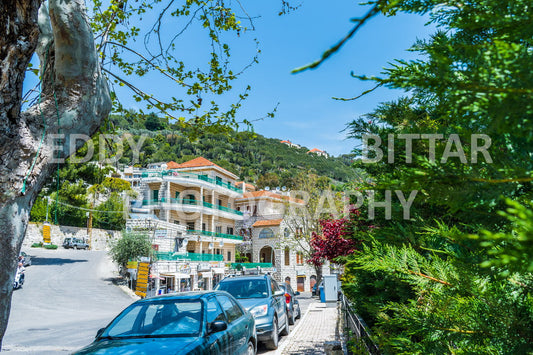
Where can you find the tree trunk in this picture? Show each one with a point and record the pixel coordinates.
(65, 44)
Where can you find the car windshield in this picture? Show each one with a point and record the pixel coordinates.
(245, 288)
(157, 319)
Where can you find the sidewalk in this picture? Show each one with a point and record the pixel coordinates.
(317, 327)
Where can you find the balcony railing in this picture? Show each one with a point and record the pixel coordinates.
(189, 175)
(190, 202)
(214, 234)
(189, 256)
(250, 265)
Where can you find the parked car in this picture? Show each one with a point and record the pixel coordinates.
(75, 243)
(262, 296)
(293, 306)
(204, 322)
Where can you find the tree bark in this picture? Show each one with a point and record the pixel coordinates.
(69, 68)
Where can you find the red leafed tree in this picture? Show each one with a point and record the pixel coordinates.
(336, 238)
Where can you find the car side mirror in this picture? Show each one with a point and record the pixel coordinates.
(217, 326)
(99, 332)
(297, 293)
(279, 293)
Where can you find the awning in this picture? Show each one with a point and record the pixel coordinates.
(218, 270)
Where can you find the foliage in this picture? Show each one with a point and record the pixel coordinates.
(131, 246)
(130, 52)
(255, 158)
(456, 277)
(333, 242)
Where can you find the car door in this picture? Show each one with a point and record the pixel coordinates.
(238, 325)
(279, 303)
(218, 340)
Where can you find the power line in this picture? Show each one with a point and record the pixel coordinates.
(85, 209)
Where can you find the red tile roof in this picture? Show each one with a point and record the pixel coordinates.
(267, 223)
(264, 193)
(315, 150)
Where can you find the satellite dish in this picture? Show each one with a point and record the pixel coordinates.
(277, 188)
(284, 188)
(267, 188)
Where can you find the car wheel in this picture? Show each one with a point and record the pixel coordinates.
(76, 247)
(272, 343)
(299, 315)
(292, 317)
(251, 348)
(286, 330)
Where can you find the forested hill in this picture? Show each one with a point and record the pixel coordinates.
(254, 158)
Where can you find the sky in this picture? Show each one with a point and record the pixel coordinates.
(305, 114)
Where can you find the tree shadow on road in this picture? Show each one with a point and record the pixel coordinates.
(55, 261)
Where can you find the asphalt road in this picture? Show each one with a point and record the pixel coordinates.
(67, 296)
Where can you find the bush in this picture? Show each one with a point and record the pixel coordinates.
(50, 246)
(37, 245)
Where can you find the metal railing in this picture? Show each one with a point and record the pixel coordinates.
(189, 256)
(188, 175)
(358, 329)
(250, 265)
(190, 202)
(214, 234)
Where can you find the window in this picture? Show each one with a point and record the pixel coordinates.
(232, 309)
(229, 256)
(177, 222)
(239, 208)
(229, 230)
(287, 256)
(177, 194)
(255, 210)
(299, 258)
(190, 200)
(266, 233)
(286, 232)
(274, 285)
(203, 227)
(214, 312)
(190, 226)
(219, 202)
(218, 180)
(155, 194)
(218, 229)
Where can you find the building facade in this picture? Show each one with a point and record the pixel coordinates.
(271, 237)
(193, 204)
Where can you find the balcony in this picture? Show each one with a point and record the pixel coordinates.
(170, 256)
(213, 234)
(188, 175)
(250, 265)
(188, 202)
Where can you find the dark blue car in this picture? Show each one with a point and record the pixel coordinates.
(210, 322)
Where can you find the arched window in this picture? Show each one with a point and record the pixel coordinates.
(266, 233)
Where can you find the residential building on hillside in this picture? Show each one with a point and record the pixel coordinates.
(271, 236)
(290, 144)
(318, 152)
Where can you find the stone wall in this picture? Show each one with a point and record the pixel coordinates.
(100, 238)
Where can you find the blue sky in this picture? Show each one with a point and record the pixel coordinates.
(306, 113)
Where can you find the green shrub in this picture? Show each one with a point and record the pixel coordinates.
(50, 246)
(37, 245)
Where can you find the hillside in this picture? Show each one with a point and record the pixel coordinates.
(253, 157)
